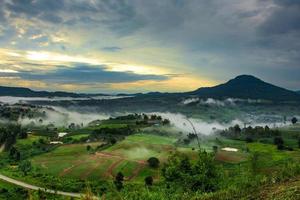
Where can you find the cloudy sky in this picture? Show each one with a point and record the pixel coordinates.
(142, 45)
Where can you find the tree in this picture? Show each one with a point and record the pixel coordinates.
(237, 130)
(166, 122)
(146, 118)
(148, 181)
(153, 162)
(254, 162)
(279, 142)
(88, 147)
(25, 166)
(294, 120)
(113, 140)
(249, 139)
(215, 149)
(119, 181)
(201, 175)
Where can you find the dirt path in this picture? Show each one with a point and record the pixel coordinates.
(67, 170)
(86, 174)
(33, 187)
(135, 172)
(109, 171)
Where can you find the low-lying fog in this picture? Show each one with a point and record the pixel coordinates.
(63, 117)
(182, 123)
(216, 102)
(82, 116)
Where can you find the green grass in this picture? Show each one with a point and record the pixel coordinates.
(272, 158)
(73, 160)
(78, 137)
(151, 139)
(126, 167)
(29, 140)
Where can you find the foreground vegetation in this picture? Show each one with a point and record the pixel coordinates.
(144, 157)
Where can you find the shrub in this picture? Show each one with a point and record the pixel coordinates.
(119, 181)
(153, 162)
(149, 181)
(279, 142)
(201, 175)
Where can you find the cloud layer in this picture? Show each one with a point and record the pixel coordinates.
(142, 42)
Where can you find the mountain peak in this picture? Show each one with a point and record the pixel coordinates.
(245, 77)
(247, 87)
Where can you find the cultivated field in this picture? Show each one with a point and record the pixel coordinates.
(128, 156)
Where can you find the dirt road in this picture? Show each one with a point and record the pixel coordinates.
(33, 187)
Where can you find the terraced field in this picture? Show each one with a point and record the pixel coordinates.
(128, 156)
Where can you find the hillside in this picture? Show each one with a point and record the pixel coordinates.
(243, 86)
(26, 92)
(247, 87)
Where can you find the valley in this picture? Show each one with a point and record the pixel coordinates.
(248, 145)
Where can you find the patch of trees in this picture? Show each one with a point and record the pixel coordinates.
(152, 120)
(190, 137)
(279, 142)
(249, 133)
(17, 111)
(110, 133)
(10, 134)
(129, 117)
(202, 175)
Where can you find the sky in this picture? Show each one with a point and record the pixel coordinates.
(133, 46)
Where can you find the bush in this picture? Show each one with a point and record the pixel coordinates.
(119, 181)
(249, 139)
(153, 162)
(149, 181)
(279, 142)
(201, 175)
(25, 166)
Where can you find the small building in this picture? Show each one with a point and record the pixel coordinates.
(56, 142)
(62, 134)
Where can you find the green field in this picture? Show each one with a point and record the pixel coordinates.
(76, 164)
(128, 156)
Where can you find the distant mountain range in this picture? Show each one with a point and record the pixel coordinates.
(247, 87)
(243, 87)
(26, 92)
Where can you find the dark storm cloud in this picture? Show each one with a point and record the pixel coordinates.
(284, 19)
(32, 8)
(87, 74)
(41, 9)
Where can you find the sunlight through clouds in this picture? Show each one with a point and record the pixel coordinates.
(206, 42)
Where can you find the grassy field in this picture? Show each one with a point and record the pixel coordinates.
(128, 156)
(131, 154)
(29, 140)
(71, 166)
